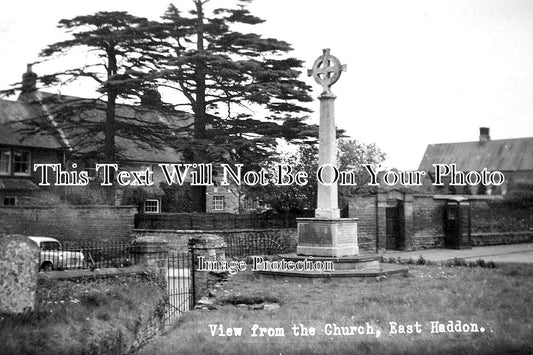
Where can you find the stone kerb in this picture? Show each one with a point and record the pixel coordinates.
(152, 252)
(19, 264)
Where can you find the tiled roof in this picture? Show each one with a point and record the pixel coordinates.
(503, 155)
(13, 118)
(130, 149)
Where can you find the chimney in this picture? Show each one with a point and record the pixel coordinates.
(29, 80)
(484, 134)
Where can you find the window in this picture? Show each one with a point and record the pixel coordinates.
(452, 214)
(5, 161)
(10, 201)
(151, 206)
(50, 246)
(250, 204)
(14, 162)
(21, 162)
(218, 203)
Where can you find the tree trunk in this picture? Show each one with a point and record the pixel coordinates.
(109, 140)
(199, 112)
(198, 192)
(110, 129)
(110, 151)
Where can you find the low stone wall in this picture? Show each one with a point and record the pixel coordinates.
(150, 328)
(178, 239)
(23, 289)
(149, 324)
(85, 274)
(69, 223)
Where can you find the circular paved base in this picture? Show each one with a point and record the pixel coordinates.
(381, 270)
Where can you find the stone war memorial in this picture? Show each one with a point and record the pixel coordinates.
(327, 238)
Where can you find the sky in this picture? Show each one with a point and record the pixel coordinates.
(419, 71)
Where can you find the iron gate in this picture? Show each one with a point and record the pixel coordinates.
(180, 285)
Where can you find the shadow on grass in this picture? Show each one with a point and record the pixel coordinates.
(248, 300)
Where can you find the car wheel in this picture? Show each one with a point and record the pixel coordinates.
(47, 266)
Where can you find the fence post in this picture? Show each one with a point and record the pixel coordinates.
(206, 248)
(152, 252)
(19, 262)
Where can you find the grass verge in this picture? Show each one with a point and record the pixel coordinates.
(498, 300)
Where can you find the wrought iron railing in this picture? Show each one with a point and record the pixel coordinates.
(240, 246)
(85, 255)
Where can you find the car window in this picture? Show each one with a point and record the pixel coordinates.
(50, 246)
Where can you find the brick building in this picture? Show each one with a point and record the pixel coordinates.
(512, 157)
(428, 216)
(231, 199)
(23, 145)
(19, 151)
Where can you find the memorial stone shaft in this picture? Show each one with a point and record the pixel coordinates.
(326, 71)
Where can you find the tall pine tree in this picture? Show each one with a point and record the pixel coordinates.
(243, 88)
(114, 43)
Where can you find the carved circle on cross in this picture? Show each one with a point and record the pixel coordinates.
(327, 70)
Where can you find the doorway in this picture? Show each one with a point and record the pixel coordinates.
(394, 226)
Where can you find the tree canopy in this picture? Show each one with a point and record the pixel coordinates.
(243, 89)
(351, 156)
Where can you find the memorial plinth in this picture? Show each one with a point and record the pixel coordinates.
(327, 237)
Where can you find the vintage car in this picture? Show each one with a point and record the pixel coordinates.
(53, 256)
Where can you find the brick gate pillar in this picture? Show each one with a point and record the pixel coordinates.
(206, 248)
(152, 252)
(408, 222)
(381, 221)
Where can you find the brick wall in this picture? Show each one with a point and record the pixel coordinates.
(364, 208)
(499, 222)
(489, 216)
(68, 223)
(218, 221)
(428, 222)
(493, 221)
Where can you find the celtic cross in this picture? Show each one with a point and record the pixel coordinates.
(326, 71)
